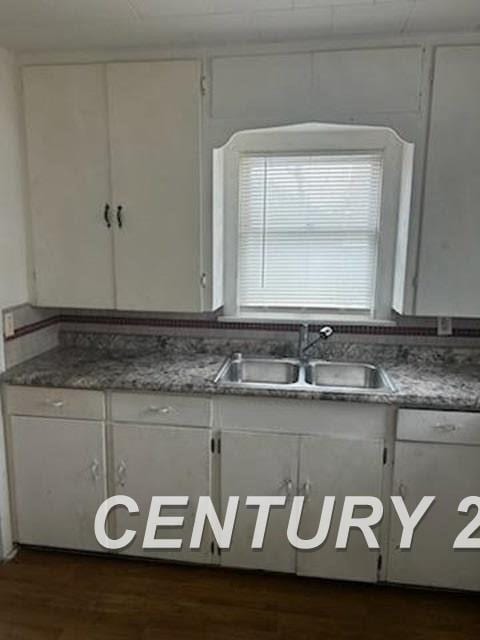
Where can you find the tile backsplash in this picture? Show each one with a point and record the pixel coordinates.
(38, 329)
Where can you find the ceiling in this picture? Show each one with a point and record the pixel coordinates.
(80, 24)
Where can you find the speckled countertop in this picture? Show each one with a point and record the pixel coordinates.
(426, 377)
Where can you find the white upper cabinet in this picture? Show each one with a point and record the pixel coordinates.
(126, 136)
(67, 144)
(154, 136)
(449, 265)
(361, 81)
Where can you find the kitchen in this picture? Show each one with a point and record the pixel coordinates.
(239, 257)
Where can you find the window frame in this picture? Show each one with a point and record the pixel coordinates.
(312, 139)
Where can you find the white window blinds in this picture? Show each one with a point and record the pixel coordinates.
(308, 230)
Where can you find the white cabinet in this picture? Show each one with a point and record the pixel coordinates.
(154, 135)
(58, 480)
(114, 178)
(315, 466)
(67, 146)
(449, 264)
(338, 467)
(153, 460)
(450, 472)
(256, 464)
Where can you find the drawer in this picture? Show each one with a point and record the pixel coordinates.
(438, 426)
(55, 403)
(158, 408)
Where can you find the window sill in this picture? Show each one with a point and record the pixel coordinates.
(292, 318)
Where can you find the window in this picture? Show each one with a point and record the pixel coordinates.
(305, 222)
(309, 231)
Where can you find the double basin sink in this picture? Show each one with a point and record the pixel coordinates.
(294, 374)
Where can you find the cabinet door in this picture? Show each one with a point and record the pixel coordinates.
(338, 467)
(154, 115)
(58, 481)
(450, 472)
(258, 464)
(449, 264)
(67, 146)
(161, 461)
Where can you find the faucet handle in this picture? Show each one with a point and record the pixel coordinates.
(325, 332)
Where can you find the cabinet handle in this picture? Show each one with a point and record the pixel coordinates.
(57, 404)
(154, 409)
(106, 215)
(445, 428)
(306, 488)
(288, 484)
(122, 473)
(95, 470)
(119, 216)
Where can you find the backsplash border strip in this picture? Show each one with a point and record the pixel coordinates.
(183, 323)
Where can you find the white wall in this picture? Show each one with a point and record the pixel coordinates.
(13, 260)
(13, 266)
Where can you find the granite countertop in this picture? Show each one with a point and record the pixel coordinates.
(425, 378)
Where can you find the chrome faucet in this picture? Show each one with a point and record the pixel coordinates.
(304, 345)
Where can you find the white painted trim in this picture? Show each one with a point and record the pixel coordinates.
(310, 137)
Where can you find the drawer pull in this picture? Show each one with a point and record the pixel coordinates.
(164, 410)
(56, 404)
(445, 428)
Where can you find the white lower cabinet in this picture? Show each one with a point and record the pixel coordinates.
(58, 480)
(338, 467)
(315, 466)
(258, 464)
(450, 472)
(153, 460)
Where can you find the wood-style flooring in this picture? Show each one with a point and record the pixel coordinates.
(57, 596)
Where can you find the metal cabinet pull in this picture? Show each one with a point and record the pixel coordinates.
(122, 473)
(95, 470)
(154, 409)
(56, 404)
(445, 428)
(288, 485)
(306, 490)
(106, 215)
(119, 216)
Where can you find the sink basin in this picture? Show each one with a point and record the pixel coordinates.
(260, 371)
(344, 374)
(290, 373)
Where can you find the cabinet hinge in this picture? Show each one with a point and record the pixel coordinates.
(385, 455)
(203, 85)
(380, 562)
(203, 280)
(415, 282)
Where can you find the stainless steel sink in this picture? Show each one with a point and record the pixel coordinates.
(263, 371)
(345, 374)
(291, 373)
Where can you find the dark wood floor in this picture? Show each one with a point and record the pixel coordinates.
(54, 596)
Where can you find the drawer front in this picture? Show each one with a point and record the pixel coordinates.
(158, 408)
(55, 403)
(438, 426)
